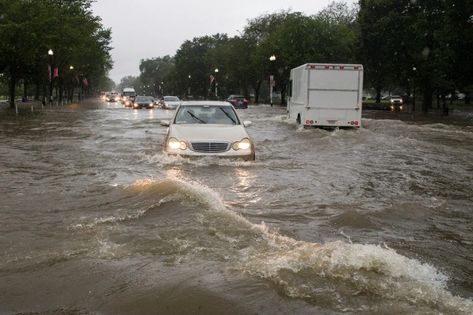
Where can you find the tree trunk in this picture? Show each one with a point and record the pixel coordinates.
(378, 94)
(427, 94)
(445, 106)
(25, 90)
(61, 89)
(37, 91)
(257, 89)
(12, 89)
(283, 95)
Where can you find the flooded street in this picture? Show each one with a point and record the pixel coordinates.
(95, 219)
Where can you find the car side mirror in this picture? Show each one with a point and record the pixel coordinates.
(247, 123)
(165, 123)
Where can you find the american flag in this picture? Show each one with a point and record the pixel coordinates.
(212, 79)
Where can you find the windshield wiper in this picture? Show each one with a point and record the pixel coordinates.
(196, 118)
(228, 115)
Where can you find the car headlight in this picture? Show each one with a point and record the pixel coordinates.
(151, 105)
(135, 105)
(175, 144)
(241, 145)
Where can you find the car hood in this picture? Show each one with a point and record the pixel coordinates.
(172, 103)
(203, 132)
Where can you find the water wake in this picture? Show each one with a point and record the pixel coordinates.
(324, 273)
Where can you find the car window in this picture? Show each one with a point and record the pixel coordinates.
(224, 115)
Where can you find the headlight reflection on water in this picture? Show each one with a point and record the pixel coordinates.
(174, 173)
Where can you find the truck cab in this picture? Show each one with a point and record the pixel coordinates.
(128, 96)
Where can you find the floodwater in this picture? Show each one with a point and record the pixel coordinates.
(95, 219)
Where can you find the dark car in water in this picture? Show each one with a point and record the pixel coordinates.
(238, 101)
(143, 102)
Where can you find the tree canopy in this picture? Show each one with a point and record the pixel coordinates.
(404, 46)
(77, 39)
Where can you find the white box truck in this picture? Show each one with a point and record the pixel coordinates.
(326, 95)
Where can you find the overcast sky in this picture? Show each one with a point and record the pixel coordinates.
(154, 28)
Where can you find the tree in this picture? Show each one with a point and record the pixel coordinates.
(195, 63)
(155, 74)
(129, 81)
(28, 29)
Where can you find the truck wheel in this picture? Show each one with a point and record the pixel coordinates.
(298, 119)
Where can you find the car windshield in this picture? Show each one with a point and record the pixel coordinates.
(144, 99)
(223, 115)
(171, 99)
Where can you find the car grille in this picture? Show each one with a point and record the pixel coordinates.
(209, 147)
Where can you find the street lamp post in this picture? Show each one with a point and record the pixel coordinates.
(71, 91)
(414, 69)
(189, 85)
(50, 53)
(216, 83)
(271, 81)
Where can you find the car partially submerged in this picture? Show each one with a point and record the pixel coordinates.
(238, 101)
(203, 128)
(143, 102)
(170, 102)
(396, 103)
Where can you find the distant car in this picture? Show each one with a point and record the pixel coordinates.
(112, 97)
(238, 101)
(202, 128)
(143, 102)
(170, 102)
(396, 103)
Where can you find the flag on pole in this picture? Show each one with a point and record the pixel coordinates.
(56, 72)
(86, 83)
(49, 72)
(212, 79)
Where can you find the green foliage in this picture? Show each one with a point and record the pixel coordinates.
(417, 43)
(404, 45)
(156, 74)
(130, 82)
(28, 29)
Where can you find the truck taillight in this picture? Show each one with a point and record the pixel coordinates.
(356, 122)
(307, 122)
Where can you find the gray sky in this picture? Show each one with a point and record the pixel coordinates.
(147, 28)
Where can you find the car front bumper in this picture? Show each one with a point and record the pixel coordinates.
(247, 155)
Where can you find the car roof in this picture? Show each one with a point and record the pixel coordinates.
(206, 103)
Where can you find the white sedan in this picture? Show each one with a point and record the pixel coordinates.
(170, 102)
(202, 128)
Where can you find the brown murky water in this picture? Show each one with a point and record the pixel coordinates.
(95, 219)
